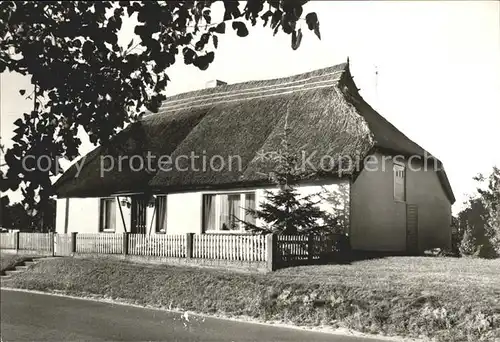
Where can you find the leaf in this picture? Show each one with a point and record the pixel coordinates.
(202, 62)
(221, 28)
(216, 41)
(241, 29)
(22, 91)
(19, 123)
(231, 10)
(266, 17)
(206, 16)
(274, 3)
(189, 55)
(316, 31)
(202, 42)
(312, 20)
(296, 39)
(276, 19)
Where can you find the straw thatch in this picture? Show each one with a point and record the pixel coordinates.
(159, 135)
(322, 109)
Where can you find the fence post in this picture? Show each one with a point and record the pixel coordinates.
(73, 243)
(125, 243)
(16, 241)
(189, 245)
(272, 252)
(310, 244)
(52, 243)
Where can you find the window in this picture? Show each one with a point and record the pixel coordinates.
(249, 204)
(208, 212)
(224, 212)
(399, 183)
(108, 214)
(161, 214)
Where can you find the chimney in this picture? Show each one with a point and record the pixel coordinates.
(214, 83)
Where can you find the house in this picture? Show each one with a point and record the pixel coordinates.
(206, 151)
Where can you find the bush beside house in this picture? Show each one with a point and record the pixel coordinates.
(478, 224)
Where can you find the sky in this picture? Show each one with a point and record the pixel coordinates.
(438, 73)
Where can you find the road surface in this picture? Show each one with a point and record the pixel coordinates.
(39, 317)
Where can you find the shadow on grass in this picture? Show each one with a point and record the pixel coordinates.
(343, 258)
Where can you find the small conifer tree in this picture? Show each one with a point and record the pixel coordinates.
(284, 211)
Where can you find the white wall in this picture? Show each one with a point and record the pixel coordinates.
(83, 215)
(184, 210)
(184, 213)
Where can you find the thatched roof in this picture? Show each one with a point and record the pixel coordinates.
(322, 109)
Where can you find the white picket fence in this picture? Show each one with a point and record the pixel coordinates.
(102, 243)
(279, 250)
(36, 241)
(7, 241)
(161, 245)
(230, 247)
(62, 244)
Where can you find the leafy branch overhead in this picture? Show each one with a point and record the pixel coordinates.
(85, 78)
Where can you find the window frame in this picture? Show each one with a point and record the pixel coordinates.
(399, 167)
(157, 216)
(217, 206)
(102, 213)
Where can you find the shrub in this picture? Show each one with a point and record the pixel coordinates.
(468, 244)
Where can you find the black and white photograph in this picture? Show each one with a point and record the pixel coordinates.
(262, 170)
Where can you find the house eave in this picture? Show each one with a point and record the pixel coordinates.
(323, 180)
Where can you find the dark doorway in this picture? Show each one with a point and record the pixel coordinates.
(138, 217)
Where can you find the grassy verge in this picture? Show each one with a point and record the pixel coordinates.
(8, 261)
(444, 298)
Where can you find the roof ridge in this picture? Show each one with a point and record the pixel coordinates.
(285, 92)
(255, 89)
(337, 67)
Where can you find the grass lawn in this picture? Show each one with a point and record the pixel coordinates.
(445, 298)
(8, 261)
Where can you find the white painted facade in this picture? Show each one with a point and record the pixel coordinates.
(184, 210)
(377, 222)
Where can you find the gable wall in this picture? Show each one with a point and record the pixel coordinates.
(378, 222)
(434, 215)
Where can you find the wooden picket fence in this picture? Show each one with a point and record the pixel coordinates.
(273, 251)
(303, 249)
(36, 242)
(230, 247)
(160, 245)
(102, 243)
(62, 244)
(292, 247)
(7, 241)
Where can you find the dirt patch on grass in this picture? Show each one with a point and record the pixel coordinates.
(411, 297)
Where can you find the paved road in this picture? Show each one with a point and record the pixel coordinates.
(38, 317)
